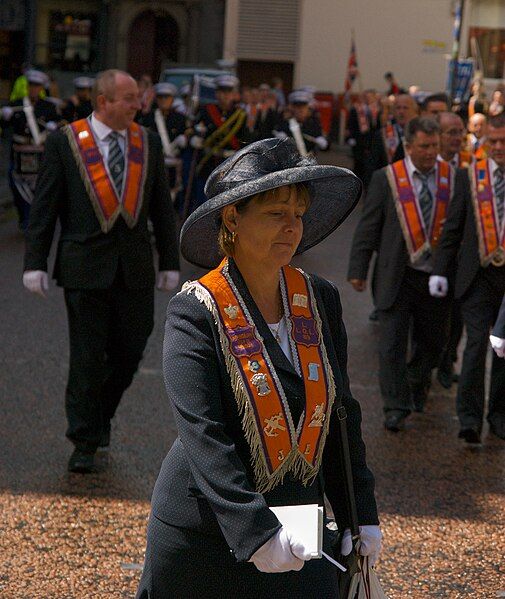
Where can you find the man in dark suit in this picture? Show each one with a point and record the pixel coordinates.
(401, 220)
(103, 178)
(473, 233)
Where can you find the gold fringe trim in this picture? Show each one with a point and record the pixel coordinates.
(414, 255)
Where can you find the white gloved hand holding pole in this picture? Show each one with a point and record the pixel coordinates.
(36, 281)
(439, 286)
(181, 141)
(281, 553)
(370, 542)
(498, 344)
(321, 142)
(168, 280)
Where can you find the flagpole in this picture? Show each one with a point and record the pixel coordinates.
(453, 77)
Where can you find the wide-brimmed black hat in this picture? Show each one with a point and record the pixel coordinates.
(261, 166)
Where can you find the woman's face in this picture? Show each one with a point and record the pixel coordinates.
(268, 231)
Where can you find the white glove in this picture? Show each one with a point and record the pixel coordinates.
(7, 113)
(281, 553)
(498, 345)
(196, 142)
(280, 134)
(181, 141)
(51, 126)
(351, 142)
(321, 142)
(438, 286)
(36, 281)
(370, 544)
(201, 129)
(168, 280)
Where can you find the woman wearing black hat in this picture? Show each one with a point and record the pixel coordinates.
(255, 360)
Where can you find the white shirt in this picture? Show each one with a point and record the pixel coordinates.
(454, 161)
(101, 131)
(281, 329)
(423, 264)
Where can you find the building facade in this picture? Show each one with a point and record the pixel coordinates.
(309, 40)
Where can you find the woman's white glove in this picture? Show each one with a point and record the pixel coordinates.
(370, 542)
(438, 286)
(281, 553)
(168, 280)
(498, 344)
(36, 281)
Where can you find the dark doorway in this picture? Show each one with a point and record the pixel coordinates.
(152, 39)
(255, 72)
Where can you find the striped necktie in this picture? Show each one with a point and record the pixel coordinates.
(116, 161)
(425, 200)
(499, 192)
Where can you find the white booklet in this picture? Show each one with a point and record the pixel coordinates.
(305, 522)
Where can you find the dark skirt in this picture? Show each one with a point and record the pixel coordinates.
(183, 564)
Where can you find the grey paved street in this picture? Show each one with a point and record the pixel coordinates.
(73, 536)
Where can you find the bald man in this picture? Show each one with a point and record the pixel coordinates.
(103, 178)
(477, 135)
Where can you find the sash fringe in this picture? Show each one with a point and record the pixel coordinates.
(294, 461)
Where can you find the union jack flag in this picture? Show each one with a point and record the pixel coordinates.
(352, 67)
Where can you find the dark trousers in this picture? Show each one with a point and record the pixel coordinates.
(22, 206)
(108, 331)
(450, 353)
(428, 318)
(480, 306)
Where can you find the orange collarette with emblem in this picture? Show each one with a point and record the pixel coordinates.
(277, 444)
(418, 238)
(108, 205)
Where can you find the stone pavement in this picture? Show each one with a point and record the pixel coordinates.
(71, 536)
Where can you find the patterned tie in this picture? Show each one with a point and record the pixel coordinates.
(116, 161)
(425, 200)
(499, 192)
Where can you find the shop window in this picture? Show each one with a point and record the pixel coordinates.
(491, 43)
(72, 42)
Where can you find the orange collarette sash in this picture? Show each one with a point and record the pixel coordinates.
(277, 444)
(491, 235)
(391, 140)
(107, 204)
(418, 240)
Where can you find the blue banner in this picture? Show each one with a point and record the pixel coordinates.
(462, 73)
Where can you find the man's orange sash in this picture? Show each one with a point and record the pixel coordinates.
(108, 205)
(391, 140)
(491, 234)
(277, 444)
(419, 239)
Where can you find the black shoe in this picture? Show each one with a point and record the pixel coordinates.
(419, 395)
(395, 422)
(373, 316)
(82, 462)
(498, 429)
(470, 436)
(445, 377)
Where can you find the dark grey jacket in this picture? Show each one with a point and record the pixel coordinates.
(499, 326)
(86, 257)
(206, 481)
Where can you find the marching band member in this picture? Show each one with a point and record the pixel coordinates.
(255, 356)
(79, 105)
(474, 233)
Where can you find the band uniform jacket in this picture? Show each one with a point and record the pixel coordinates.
(175, 123)
(311, 126)
(86, 257)
(206, 483)
(379, 230)
(44, 112)
(499, 326)
(459, 244)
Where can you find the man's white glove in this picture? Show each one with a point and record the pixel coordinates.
(51, 126)
(498, 344)
(281, 553)
(7, 113)
(36, 281)
(321, 142)
(168, 280)
(438, 286)
(181, 141)
(196, 142)
(370, 542)
(351, 142)
(280, 135)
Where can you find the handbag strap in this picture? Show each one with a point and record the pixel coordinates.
(349, 484)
